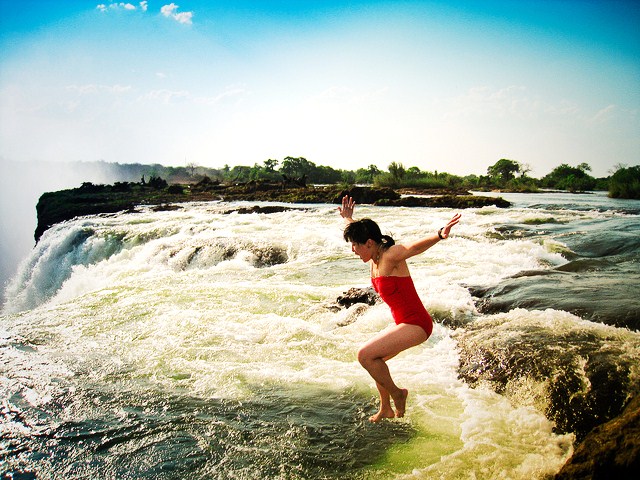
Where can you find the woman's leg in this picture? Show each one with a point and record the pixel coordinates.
(388, 344)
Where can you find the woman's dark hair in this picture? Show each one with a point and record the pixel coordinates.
(360, 231)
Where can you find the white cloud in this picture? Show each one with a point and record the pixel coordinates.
(116, 6)
(167, 10)
(184, 17)
(170, 11)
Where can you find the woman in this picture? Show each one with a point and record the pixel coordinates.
(391, 279)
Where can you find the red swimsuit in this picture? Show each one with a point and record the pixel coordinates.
(401, 296)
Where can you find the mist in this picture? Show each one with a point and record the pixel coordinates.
(21, 185)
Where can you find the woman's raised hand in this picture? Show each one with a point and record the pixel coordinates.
(346, 211)
(447, 228)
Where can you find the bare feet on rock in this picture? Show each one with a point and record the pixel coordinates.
(382, 413)
(401, 402)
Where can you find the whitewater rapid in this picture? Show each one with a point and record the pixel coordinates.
(203, 343)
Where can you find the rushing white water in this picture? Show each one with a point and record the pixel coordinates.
(111, 312)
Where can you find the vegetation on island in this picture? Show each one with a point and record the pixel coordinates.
(298, 180)
(505, 175)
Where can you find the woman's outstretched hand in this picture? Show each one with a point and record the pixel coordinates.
(346, 211)
(447, 228)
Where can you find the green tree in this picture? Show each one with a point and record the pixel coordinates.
(397, 171)
(347, 177)
(240, 173)
(414, 172)
(625, 183)
(322, 174)
(297, 167)
(566, 177)
(270, 165)
(585, 167)
(367, 175)
(504, 170)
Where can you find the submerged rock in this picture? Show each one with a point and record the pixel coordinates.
(208, 253)
(353, 303)
(595, 296)
(588, 285)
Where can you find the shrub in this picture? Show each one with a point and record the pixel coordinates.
(625, 183)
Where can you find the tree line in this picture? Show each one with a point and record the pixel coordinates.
(505, 175)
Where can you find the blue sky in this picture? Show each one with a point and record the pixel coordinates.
(447, 86)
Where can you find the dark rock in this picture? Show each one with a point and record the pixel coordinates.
(206, 182)
(268, 255)
(367, 195)
(433, 191)
(179, 189)
(445, 201)
(57, 207)
(358, 295)
(609, 451)
(166, 208)
(258, 209)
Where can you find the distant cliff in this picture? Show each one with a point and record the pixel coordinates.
(90, 199)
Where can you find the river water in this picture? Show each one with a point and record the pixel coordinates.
(196, 343)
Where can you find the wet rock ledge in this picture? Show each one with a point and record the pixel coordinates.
(582, 379)
(90, 199)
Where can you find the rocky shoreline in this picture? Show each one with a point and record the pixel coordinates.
(90, 199)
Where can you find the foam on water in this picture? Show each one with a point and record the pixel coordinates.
(181, 303)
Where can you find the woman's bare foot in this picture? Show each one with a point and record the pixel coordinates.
(401, 402)
(382, 413)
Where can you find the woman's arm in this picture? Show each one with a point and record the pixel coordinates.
(346, 211)
(402, 252)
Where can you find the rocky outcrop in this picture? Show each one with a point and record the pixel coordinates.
(444, 201)
(609, 451)
(579, 377)
(89, 199)
(367, 296)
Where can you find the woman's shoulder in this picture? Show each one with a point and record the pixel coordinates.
(395, 252)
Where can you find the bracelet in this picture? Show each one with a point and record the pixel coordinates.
(440, 234)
